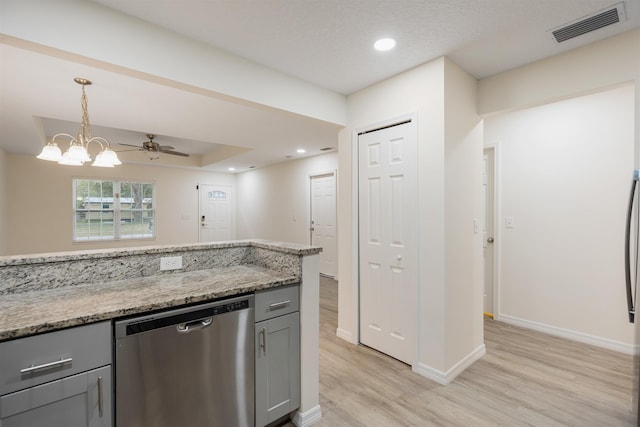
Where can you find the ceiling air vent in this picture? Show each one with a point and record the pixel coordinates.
(607, 17)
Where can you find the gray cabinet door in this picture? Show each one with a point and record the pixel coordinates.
(81, 400)
(277, 368)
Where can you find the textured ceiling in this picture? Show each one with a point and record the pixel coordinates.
(329, 42)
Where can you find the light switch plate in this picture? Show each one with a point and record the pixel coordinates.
(509, 223)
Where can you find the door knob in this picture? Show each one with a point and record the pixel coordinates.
(490, 240)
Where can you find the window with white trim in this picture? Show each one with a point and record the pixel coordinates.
(109, 210)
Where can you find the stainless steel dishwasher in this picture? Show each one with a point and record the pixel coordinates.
(191, 366)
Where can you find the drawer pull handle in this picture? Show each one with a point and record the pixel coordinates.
(49, 365)
(100, 398)
(279, 304)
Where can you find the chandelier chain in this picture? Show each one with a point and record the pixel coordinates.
(86, 125)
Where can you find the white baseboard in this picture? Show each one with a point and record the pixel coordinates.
(307, 418)
(445, 378)
(569, 334)
(345, 335)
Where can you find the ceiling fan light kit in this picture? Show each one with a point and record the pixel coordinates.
(77, 154)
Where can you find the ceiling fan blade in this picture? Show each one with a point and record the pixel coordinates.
(153, 147)
(175, 153)
(124, 151)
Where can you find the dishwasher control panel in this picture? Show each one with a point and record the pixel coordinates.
(180, 316)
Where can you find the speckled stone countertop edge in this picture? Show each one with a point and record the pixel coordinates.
(289, 248)
(52, 257)
(90, 308)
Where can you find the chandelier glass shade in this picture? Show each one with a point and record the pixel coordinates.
(77, 154)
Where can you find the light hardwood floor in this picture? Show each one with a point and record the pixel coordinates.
(526, 379)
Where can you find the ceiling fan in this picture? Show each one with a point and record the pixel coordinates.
(154, 149)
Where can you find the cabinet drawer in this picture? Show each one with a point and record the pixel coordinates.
(276, 302)
(54, 355)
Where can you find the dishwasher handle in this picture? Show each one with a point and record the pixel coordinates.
(185, 328)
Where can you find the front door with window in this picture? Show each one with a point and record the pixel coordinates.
(216, 213)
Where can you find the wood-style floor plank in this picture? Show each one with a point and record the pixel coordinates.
(526, 378)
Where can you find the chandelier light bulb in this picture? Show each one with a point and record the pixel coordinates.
(79, 153)
(68, 161)
(51, 152)
(106, 159)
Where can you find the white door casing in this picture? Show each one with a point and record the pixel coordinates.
(488, 235)
(217, 213)
(387, 198)
(323, 220)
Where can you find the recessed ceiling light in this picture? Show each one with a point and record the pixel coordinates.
(301, 150)
(231, 169)
(385, 44)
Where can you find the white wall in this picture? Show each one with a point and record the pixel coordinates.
(274, 202)
(39, 206)
(3, 202)
(449, 155)
(463, 210)
(606, 63)
(565, 170)
(587, 70)
(141, 49)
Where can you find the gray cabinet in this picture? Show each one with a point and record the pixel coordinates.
(57, 379)
(76, 401)
(277, 362)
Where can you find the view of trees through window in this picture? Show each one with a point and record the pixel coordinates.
(113, 210)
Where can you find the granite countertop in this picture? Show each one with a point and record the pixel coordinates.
(29, 313)
(283, 247)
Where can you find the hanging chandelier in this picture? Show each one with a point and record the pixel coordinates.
(77, 154)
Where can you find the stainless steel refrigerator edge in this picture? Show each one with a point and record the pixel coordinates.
(191, 366)
(632, 240)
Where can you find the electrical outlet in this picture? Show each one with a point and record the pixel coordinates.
(171, 263)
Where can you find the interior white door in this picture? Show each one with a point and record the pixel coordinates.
(216, 213)
(387, 201)
(323, 220)
(488, 229)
